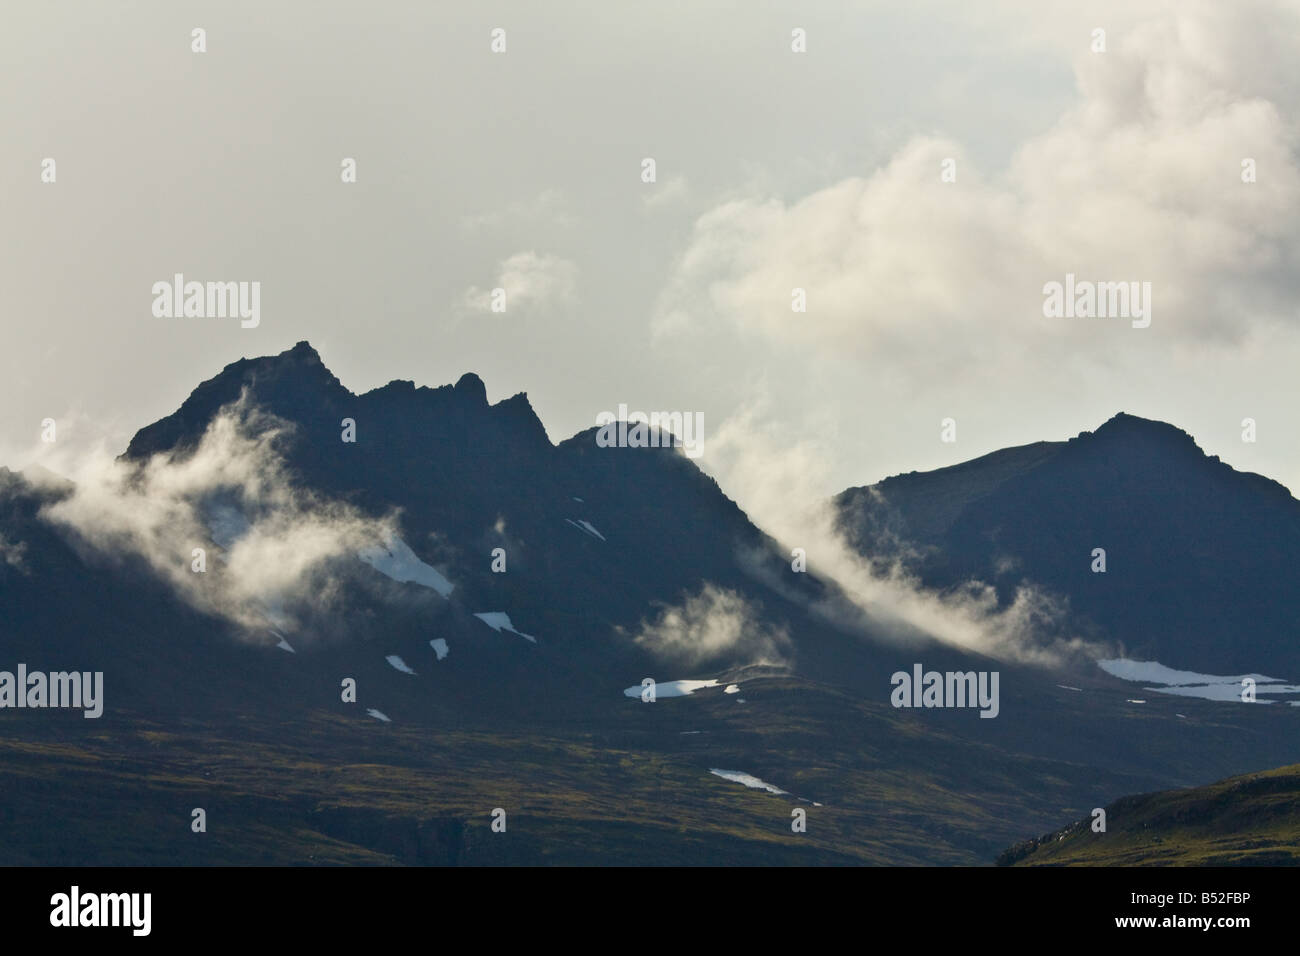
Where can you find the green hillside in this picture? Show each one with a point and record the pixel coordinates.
(1251, 820)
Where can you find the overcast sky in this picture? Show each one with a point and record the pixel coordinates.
(774, 170)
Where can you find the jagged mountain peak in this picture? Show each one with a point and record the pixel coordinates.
(300, 361)
(471, 387)
(297, 385)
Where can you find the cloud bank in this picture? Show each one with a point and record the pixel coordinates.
(1141, 179)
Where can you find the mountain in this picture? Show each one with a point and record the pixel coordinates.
(471, 477)
(1202, 561)
(482, 686)
(1251, 820)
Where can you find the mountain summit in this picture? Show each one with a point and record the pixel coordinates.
(296, 386)
(1202, 562)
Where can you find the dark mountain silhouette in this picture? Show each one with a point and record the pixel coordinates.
(203, 711)
(1202, 561)
(467, 477)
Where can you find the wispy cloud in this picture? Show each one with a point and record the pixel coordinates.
(714, 625)
(268, 542)
(774, 475)
(529, 281)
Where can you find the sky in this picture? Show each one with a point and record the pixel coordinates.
(921, 171)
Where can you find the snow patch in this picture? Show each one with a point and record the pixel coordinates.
(439, 647)
(500, 621)
(748, 780)
(1191, 684)
(379, 715)
(398, 664)
(1226, 692)
(731, 689)
(586, 526)
(1153, 672)
(672, 688)
(397, 561)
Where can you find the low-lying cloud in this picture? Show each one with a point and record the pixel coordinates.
(267, 542)
(713, 625)
(776, 477)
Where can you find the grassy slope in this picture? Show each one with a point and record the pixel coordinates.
(629, 788)
(1248, 820)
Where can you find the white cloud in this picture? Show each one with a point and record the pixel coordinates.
(712, 624)
(162, 509)
(1139, 180)
(530, 281)
(774, 472)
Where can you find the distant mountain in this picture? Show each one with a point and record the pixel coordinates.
(1251, 820)
(477, 688)
(1202, 561)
